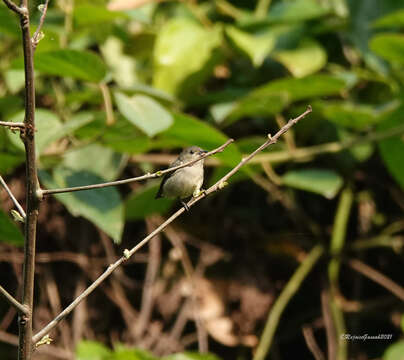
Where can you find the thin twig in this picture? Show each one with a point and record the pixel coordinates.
(36, 37)
(106, 95)
(12, 6)
(312, 343)
(377, 277)
(129, 253)
(329, 325)
(12, 197)
(138, 178)
(12, 125)
(12, 301)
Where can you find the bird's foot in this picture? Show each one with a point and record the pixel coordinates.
(199, 192)
(186, 207)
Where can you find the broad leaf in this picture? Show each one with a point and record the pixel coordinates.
(323, 182)
(82, 65)
(297, 10)
(256, 47)
(389, 47)
(144, 112)
(86, 14)
(92, 350)
(394, 351)
(183, 48)
(308, 58)
(103, 206)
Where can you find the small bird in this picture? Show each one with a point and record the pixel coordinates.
(184, 182)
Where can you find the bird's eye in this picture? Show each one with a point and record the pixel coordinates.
(192, 151)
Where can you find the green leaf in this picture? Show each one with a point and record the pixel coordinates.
(9, 231)
(103, 206)
(122, 352)
(98, 159)
(191, 356)
(393, 19)
(8, 162)
(256, 47)
(389, 47)
(82, 65)
(9, 22)
(394, 351)
(188, 131)
(352, 115)
(319, 181)
(308, 58)
(297, 10)
(303, 88)
(92, 350)
(48, 129)
(87, 14)
(392, 149)
(183, 48)
(144, 112)
(143, 203)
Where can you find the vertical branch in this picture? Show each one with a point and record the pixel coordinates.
(28, 137)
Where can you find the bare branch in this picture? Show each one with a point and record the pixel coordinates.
(13, 302)
(377, 277)
(312, 343)
(12, 125)
(36, 38)
(12, 6)
(128, 253)
(138, 178)
(13, 199)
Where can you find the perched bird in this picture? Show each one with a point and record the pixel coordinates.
(184, 182)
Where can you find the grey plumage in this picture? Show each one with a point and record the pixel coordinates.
(186, 181)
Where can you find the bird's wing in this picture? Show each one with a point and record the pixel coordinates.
(166, 176)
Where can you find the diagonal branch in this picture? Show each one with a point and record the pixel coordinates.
(13, 302)
(138, 178)
(128, 253)
(36, 38)
(13, 199)
(12, 6)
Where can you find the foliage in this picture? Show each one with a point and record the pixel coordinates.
(115, 85)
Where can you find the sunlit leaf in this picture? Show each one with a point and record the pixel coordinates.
(308, 58)
(389, 47)
(92, 350)
(183, 48)
(103, 206)
(393, 19)
(256, 47)
(144, 112)
(394, 351)
(88, 14)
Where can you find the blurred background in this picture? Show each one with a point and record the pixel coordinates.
(303, 249)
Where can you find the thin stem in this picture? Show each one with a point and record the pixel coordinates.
(129, 253)
(138, 178)
(281, 302)
(312, 343)
(107, 103)
(13, 124)
(36, 37)
(12, 197)
(262, 7)
(12, 301)
(377, 277)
